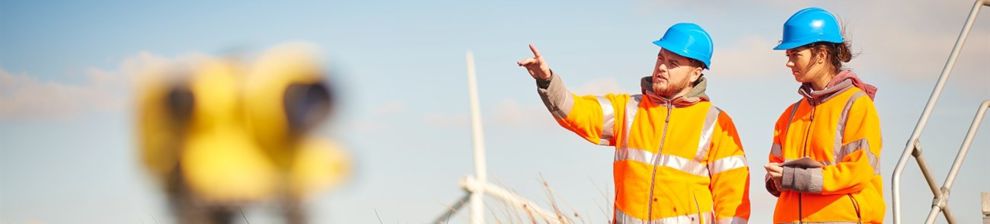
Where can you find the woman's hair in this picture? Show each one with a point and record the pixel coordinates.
(836, 53)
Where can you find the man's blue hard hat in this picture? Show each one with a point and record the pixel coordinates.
(688, 40)
(810, 25)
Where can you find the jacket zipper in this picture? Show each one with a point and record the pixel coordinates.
(807, 132)
(804, 153)
(656, 160)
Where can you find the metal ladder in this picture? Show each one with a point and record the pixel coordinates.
(913, 148)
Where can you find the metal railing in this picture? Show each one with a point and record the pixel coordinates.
(913, 148)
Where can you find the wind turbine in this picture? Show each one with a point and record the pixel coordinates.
(475, 187)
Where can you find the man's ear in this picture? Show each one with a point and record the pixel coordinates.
(695, 74)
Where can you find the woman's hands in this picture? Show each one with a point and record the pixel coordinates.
(776, 172)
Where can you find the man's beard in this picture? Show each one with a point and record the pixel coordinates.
(671, 90)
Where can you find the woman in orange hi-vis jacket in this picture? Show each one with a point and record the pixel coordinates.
(678, 158)
(824, 162)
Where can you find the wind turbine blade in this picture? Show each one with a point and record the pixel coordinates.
(476, 129)
(445, 218)
(477, 205)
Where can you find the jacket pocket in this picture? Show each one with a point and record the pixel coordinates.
(706, 211)
(856, 208)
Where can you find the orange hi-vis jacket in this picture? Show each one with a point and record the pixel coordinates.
(839, 128)
(678, 161)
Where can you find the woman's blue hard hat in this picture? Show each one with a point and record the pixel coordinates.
(808, 26)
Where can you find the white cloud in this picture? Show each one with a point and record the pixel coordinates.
(750, 56)
(600, 86)
(509, 112)
(26, 97)
(909, 43)
(915, 41)
(23, 96)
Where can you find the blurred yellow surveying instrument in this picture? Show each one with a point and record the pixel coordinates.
(218, 135)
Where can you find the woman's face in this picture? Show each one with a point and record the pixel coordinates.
(804, 66)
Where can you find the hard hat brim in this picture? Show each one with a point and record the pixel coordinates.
(787, 46)
(796, 44)
(664, 45)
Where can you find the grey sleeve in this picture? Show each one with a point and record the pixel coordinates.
(555, 96)
(804, 180)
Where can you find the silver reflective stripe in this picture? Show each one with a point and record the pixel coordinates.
(874, 161)
(632, 106)
(625, 153)
(679, 163)
(783, 135)
(775, 151)
(704, 217)
(840, 150)
(608, 120)
(857, 145)
(733, 220)
(851, 147)
(841, 126)
(794, 108)
(727, 163)
(706, 133)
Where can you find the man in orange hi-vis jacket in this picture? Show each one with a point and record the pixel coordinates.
(678, 158)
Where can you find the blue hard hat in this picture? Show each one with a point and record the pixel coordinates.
(810, 25)
(688, 40)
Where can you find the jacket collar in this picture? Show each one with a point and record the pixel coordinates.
(697, 93)
(833, 88)
(842, 81)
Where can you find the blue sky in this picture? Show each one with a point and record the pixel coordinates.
(68, 153)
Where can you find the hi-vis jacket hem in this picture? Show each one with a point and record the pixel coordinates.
(621, 217)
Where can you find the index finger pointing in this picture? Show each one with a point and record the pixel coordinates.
(536, 53)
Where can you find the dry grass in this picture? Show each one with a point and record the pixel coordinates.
(504, 212)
